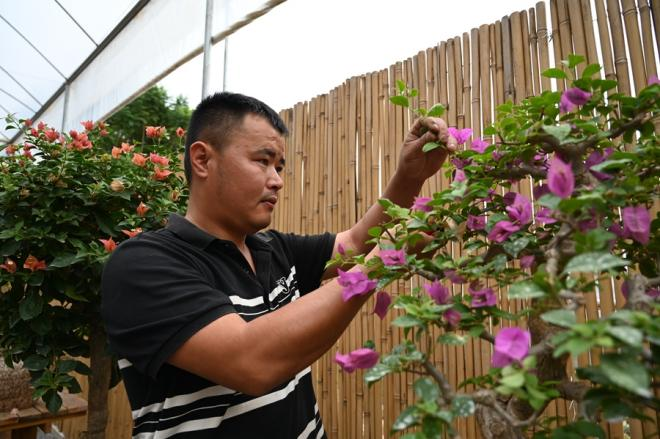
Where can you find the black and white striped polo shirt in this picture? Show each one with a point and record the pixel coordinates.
(161, 287)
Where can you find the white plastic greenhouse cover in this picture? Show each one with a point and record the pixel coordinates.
(159, 36)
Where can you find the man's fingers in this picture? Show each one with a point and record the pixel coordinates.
(452, 144)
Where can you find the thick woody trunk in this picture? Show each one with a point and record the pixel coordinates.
(99, 383)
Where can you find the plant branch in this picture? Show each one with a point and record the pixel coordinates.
(445, 388)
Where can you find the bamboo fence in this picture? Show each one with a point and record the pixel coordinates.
(343, 148)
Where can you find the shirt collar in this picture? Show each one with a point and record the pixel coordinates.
(199, 238)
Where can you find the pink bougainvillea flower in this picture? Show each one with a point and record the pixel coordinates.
(139, 159)
(595, 158)
(461, 135)
(133, 232)
(544, 216)
(459, 176)
(540, 190)
(88, 125)
(152, 132)
(520, 210)
(160, 174)
(126, 147)
(479, 145)
(9, 265)
(421, 204)
(573, 97)
(653, 292)
(483, 297)
(362, 358)
(475, 222)
(438, 292)
(51, 135)
(383, 301)
(11, 149)
(355, 283)
(109, 244)
(637, 223)
(393, 257)
(497, 155)
(617, 230)
(509, 198)
(565, 105)
(511, 344)
(180, 132)
(527, 261)
(454, 277)
(502, 230)
(460, 163)
(588, 224)
(561, 181)
(142, 209)
(158, 159)
(116, 152)
(340, 249)
(27, 122)
(33, 264)
(653, 79)
(452, 317)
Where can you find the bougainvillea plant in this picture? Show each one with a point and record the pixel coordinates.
(556, 201)
(66, 203)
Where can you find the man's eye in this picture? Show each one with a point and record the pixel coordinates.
(279, 169)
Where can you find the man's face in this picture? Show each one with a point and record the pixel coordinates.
(244, 176)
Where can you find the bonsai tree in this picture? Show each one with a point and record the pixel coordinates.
(592, 155)
(66, 203)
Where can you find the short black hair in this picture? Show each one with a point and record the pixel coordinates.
(218, 115)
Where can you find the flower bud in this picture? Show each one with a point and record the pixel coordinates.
(117, 186)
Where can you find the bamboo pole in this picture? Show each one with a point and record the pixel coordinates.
(556, 43)
(533, 40)
(499, 67)
(589, 38)
(647, 37)
(605, 41)
(451, 84)
(467, 95)
(518, 58)
(524, 23)
(574, 10)
(458, 74)
(542, 35)
(655, 8)
(476, 95)
(484, 74)
(565, 30)
(509, 90)
(634, 44)
(620, 60)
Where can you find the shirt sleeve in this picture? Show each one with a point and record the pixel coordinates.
(153, 300)
(309, 253)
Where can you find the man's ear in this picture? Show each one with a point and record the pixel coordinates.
(200, 153)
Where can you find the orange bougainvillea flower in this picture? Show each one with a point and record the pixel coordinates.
(160, 174)
(133, 232)
(158, 159)
(116, 152)
(142, 209)
(126, 147)
(51, 135)
(41, 126)
(153, 132)
(180, 132)
(139, 159)
(9, 265)
(101, 125)
(27, 122)
(88, 124)
(11, 149)
(109, 244)
(34, 264)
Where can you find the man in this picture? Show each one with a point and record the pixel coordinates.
(216, 325)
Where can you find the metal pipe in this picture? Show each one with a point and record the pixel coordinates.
(20, 85)
(77, 24)
(16, 99)
(224, 66)
(65, 107)
(208, 33)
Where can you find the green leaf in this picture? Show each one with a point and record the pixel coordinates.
(31, 306)
(35, 363)
(376, 373)
(66, 366)
(588, 429)
(610, 164)
(375, 231)
(626, 372)
(104, 223)
(559, 131)
(560, 317)
(406, 418)
(9, 247)
(406, 321)
(525, 290)
(399, 100)
(550, 200)
(555, 73)
(463, 406)
(400, 85)
(626, 334)
(514, 247)
(590, 70)
(593, 262)
(64, 260)
(574, 60)
(515, 380)
(427, 389)
(53, 401)
(36, 278)
(430, 146)
(451, 338)
(436, 111)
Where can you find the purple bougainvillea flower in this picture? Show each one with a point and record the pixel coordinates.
(483, 297)
(540, 190)
(340, 249)
(588, 224)
(509, 198)
(653, 292)
(502, 230)
(560, 178)
(595, 158)
(452, 317)
(461, 135)
(475, 222)
(421, 204)
(459, 176)
(479, 145)
(355, 283)
(527, 261)
(497, 155)
(438, 292)
(617, 230)
(573, 97)
(383, 301)
(565, 105)
(520, 210)
(362, 358)
(511, 344)
(544, 216)
(393, 257)
(454, 277)
(653, 79)
(637, 223)
(460, 163)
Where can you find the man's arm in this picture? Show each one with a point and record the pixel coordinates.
(413, 169)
